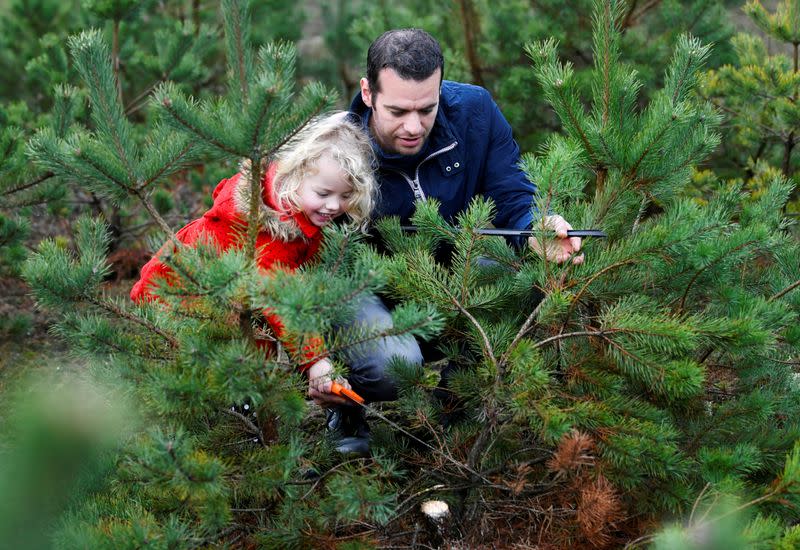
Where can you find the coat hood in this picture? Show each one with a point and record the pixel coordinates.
(284, 226)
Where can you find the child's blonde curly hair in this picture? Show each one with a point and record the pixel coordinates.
(347, 144)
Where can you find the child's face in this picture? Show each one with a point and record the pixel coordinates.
(326, 192)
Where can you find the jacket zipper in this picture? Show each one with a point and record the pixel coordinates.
(416, 188)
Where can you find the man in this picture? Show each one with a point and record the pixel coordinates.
(433, 139)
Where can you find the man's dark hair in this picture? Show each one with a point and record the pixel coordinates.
(412, 53)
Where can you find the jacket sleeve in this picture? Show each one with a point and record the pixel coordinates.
(504, 180)
(155, 272)
(214, 226)
(307, 352)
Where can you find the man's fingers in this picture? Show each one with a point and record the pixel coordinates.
(558, 250)
(559, 225)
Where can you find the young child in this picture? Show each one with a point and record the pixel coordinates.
(323, 174)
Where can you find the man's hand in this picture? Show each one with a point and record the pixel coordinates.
(560, 249)
(320, 382)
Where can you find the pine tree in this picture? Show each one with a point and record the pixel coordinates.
(229, 450)
(30, 32)
(24, 190)
(758, 93)
(618, 389)
(37, 86)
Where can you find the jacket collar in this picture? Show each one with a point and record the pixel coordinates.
(280, 224)
(303, 223)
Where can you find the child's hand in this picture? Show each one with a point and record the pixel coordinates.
(320, 382)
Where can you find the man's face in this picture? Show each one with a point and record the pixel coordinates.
(403, 112)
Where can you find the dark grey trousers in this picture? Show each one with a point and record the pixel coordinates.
(369, 362)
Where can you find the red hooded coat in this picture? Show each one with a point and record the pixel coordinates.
(285, 240)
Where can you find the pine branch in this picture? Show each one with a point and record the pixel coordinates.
(156, 216)
(25, 204)
(315, 483)
(252, 428)
(633, 20)
(586, 285)
(626, 352)
(763, 127)
(141, 100)
(351, 295)
(261, 118)
(480, 444)
(115, 60)
(710, 264)
(562, 336)
(788, 145)
(167, 167)
(785, 291)
(487, 345)
(366, 339)
(113, 179)
(340, 258)
(653, 142)
(607, 33)
(628, 21)
(28, 185)
(520, 334)
(9, 148)
(256, 200)
(112, 308)
(106, 109)
(106, 344)
(298, 128)
(236, 34)
(780, 362)
(167, 104)
(683, 77)
(460, 465)
(467, 265)
(704, 524)
(574, 121)
(640, 214)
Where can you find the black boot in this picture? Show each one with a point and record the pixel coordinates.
(349, 429)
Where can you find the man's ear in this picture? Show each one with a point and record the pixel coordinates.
(366, 93)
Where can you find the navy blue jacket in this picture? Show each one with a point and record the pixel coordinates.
(470, 151)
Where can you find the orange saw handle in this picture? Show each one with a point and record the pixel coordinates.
(338, 389)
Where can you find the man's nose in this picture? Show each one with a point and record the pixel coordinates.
(413, 125)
